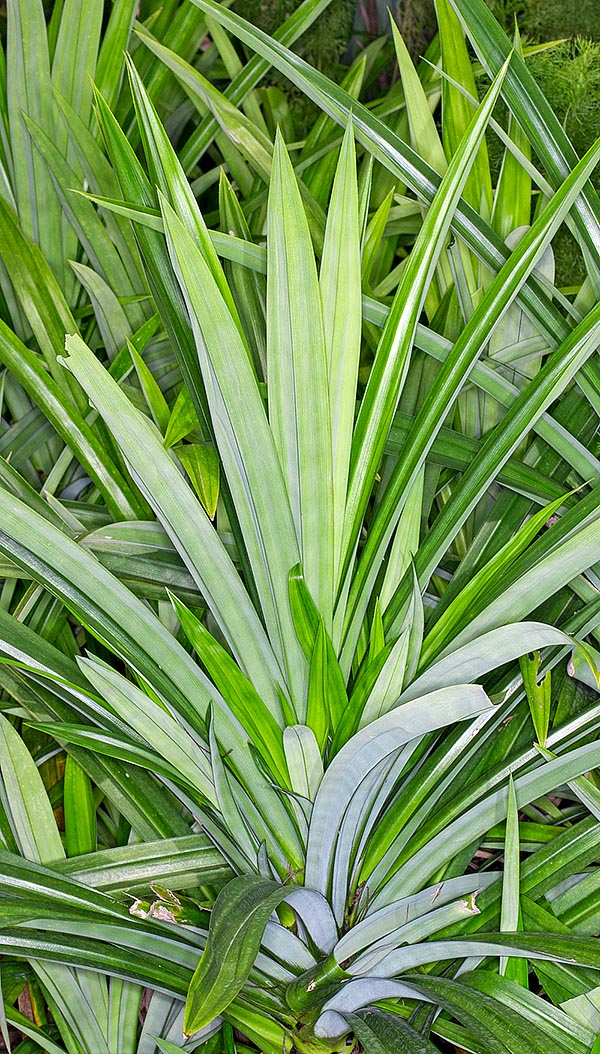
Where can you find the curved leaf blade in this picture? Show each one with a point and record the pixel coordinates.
(237, 924)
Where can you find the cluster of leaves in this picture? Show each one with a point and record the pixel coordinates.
(567, 68)
(299, 530)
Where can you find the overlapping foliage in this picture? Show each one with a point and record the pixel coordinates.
(299, 532)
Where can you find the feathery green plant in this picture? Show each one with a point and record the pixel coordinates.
(297, 464)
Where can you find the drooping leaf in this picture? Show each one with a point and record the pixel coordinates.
(237, 923)
(382, 1033)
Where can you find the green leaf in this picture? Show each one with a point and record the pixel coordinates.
(318, 710)
(305, 615)
(157, 404)
(386, 690)
(121, 747)
(566, 560)
(201, 462)
(359, 758)
(529, 106)
(339, 281)
(293, 26)
(182, 29)
(512, 199)
(297, 380)
(309, 628)
(456, 111)
(120, 496)
(584, 665)
(373, 236)
(538, 694)
(142, 555)
(169, 178)
(137, 189)
(319, 158)
(75, 54)
(539, 1013)
(406, 540)
(184, 519)
(381, 1033)
(29, 91)
(230, 813)
(113, 323)
(583, 788)
(247, 449)
(110, 67)
(174, 862)
(237, 923)
(153, 723)
(478, 818)
(304, 760)
(510, 912)
(445, 627)
(37, 290)
(393, 354)
(26, 798)
(166, 1047)
(99, 601)
(377, 634)
(79, 809)
(236, 689)
(468, 346)
(143, 805)
(496, 1030)
(585, 1010)
(103, 254)
(183, 419)
(248, 288)
(393, 153)
(249, 139)
(423, 132)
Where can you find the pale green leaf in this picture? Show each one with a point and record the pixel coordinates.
(299, 413)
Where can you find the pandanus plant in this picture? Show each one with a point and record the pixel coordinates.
(306, 515)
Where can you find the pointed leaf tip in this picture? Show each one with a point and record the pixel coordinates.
(237, 924)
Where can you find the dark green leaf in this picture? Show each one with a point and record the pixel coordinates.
(237, 923)
(381, 1033)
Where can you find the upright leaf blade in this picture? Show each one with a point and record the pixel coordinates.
(297, 379)
(246, 447)
(27, 800)
(532, 110)
(393, 354)
(340, 287)
(511, 887)
(79, 809)
(184, 519)
(456, 111)
(29, 91)
(388, 148)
